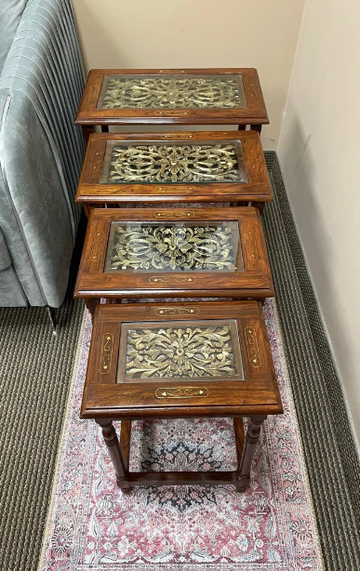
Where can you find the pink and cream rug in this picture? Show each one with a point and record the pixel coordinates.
(93, 526)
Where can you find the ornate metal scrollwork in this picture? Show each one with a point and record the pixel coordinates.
(173, 247)
(186, 351)
(166, 92)
(154, 163)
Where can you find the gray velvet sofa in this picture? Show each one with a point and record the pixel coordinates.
(41, 151)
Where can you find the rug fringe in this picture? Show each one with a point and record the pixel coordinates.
(61, 443)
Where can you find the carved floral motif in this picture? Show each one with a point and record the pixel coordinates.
(174, 163)
(186, 351)
(173, 246)
(123, 92)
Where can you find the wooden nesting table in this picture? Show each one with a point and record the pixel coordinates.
(183, 360)
(163, 358)
(173, 96)
(179, 252)
(187, 167)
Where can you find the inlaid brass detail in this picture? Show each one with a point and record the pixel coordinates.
(171, 92)
(179, 351)
(154, 280)
(176, 214)
(174, 136)
(165, 279)
(176, 112)
(252, 347)
(181, 392)
(169, 163)
(106, 353)
(185, 279)
(95, 159)
(177, 311)
(180, 246)
(253, 248)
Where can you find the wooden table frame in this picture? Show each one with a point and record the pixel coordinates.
(254, 282)
(256, 396)
(257, 189)
(254, 114)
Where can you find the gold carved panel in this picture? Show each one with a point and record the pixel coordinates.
(185, 350)
(147, 163)
(172, 92)
(174, 246)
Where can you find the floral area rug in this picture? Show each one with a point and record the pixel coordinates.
(270, 527)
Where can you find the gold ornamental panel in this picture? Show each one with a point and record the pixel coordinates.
(158, 163)
(173, 247)
(172, 92)
(185, 350)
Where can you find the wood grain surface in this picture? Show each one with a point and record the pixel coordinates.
(254, 281)
(256, 189)
(254, 114)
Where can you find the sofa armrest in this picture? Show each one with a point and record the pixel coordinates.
(41, 151)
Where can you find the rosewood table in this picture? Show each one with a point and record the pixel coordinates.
(187, 167)
(173, 252)
(185, 360)
(173, 96)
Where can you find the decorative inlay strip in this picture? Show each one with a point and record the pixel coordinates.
(172, 214)
(177, 311)
(185, 280)
(174, 136)
(252, 247)
(252, 347)
(181, 392)
(165, 279)
(179, 246)
(106, 353)
(95, 160)
(171, 92)
(154, 280)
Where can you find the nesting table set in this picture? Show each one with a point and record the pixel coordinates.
(175, 246)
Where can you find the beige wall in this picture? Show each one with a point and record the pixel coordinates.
(319, 151)
(196, 33)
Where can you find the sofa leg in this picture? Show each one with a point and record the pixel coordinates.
(51, 311)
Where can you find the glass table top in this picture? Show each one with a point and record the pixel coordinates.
(180, 351)
(136, 91)
(174, 247)
(146, 163)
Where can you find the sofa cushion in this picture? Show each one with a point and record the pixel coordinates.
(11, 292)
(5, 260)
(10, 16)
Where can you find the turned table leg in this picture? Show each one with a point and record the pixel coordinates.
(113, 446)
(252, 437)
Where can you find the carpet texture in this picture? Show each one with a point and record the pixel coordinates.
(33, 411)
(270, 526)
(36, 370)
(330, 452)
